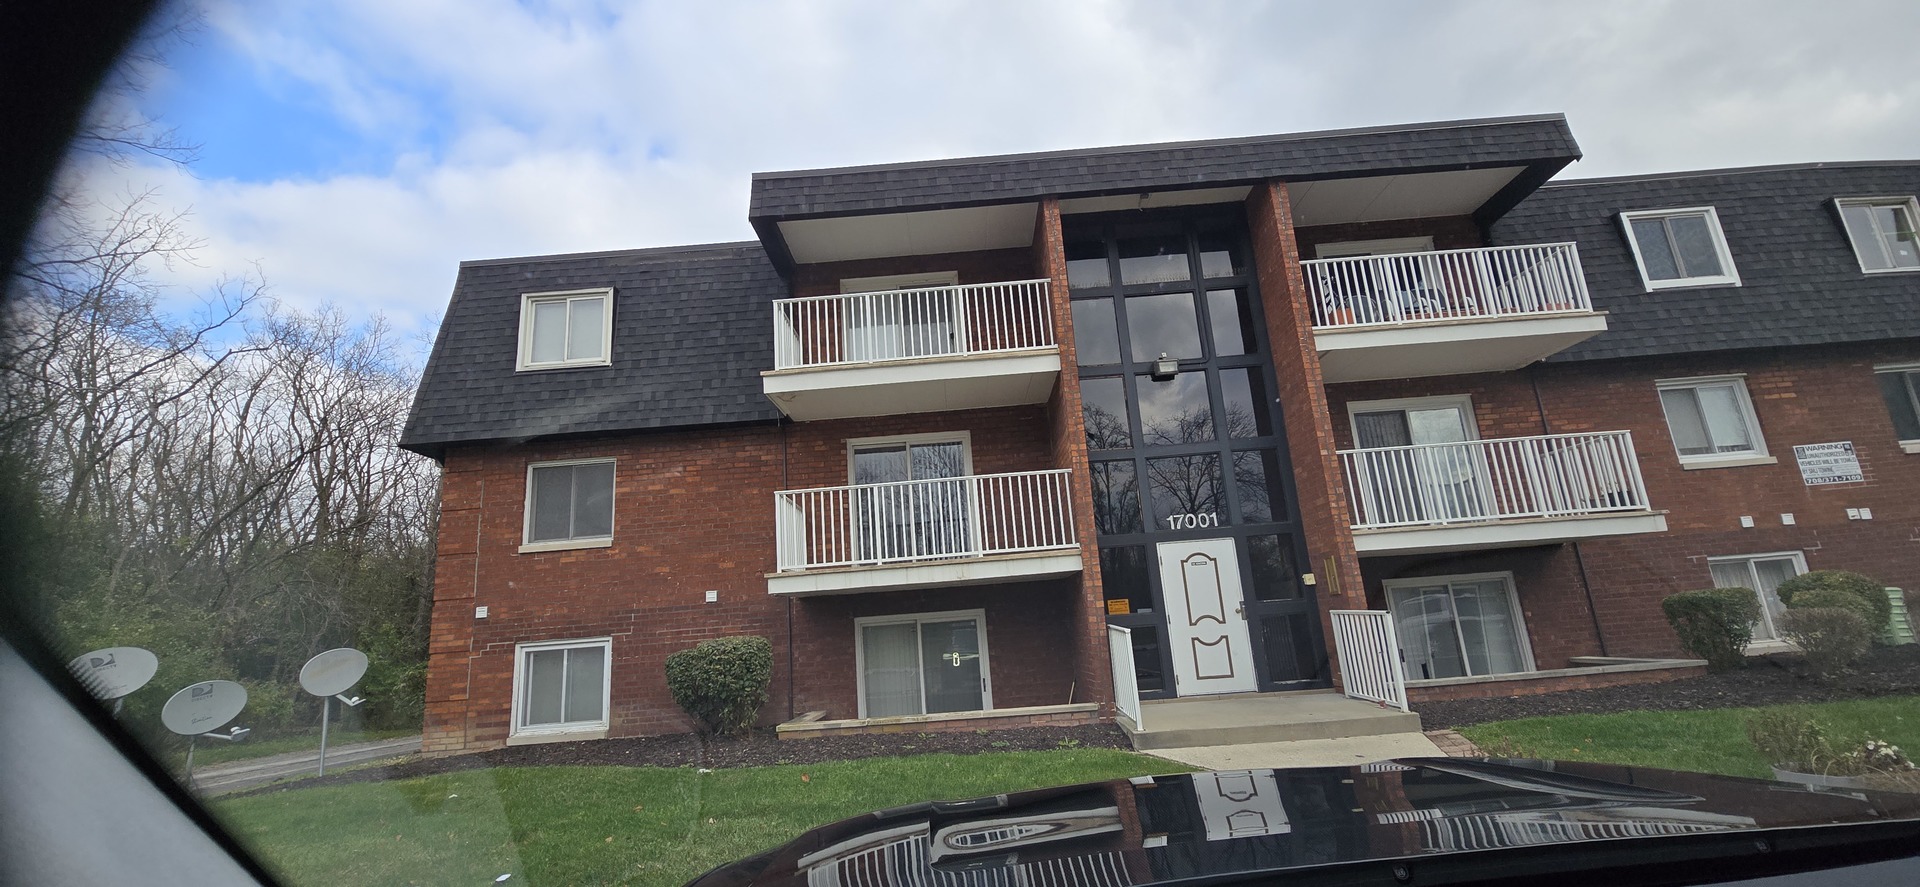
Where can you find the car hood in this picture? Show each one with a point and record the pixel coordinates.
(1237, 822)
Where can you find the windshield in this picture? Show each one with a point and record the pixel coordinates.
(594, 443)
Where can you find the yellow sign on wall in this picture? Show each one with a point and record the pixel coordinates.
(1119, 607)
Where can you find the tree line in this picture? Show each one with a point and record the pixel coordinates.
(214, 474)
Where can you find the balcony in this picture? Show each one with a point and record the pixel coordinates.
(973, 530)
(1497, 493)
(1448, 312)
(913, 351)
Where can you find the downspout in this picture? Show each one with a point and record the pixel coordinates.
(782, 425)
(1579, 562)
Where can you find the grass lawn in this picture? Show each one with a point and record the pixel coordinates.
(612, 825)
(213, 751)
(1708, 741)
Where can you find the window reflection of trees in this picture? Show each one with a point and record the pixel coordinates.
(1116, 498)
(1186, 485)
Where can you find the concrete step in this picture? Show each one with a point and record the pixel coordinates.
(1247, 718)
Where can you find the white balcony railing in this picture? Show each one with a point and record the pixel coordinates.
(1126, 680)
(1369, 657)
(923, 520)
(1459, 284)
(941, 321)
(1555, 475)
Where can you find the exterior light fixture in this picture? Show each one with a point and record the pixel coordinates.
(1165, 368)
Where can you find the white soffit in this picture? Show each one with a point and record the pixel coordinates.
(932, 232)
(1379, 198)
(1154, 200)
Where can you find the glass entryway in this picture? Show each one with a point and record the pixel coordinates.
(1185, 444)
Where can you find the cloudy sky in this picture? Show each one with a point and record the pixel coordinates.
(354, 151)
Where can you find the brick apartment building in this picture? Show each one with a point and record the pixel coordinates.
(958, 436)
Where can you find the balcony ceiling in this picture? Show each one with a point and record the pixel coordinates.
(930, 385)
(1409, 196)
(1011, 225)
(929, 232)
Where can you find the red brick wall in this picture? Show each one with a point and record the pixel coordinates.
(1067, 437)
(985, 266)
(1324, 515)
(1801, 396)
(693, 511)
(1451, 232)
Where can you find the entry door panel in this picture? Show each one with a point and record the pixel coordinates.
(1206, 621)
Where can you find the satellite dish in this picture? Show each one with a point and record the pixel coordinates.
(333, 671)
(115, 671)
(203, 707)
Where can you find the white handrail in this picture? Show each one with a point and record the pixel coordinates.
(1456, 284)
(1369, 657)
(1549, 475)
(911, 324)
(920, 520)
(1126, 684)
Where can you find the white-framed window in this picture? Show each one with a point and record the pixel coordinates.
(566, 329)
(1761, 574)
(926, 321)
(1417, 464)
(561, 686)
(1712, 422)
(1885, 232)
(1459, 626)
(1680, 247)
(922, 663)
(912, 499)
(1900, 388)
(569, 505)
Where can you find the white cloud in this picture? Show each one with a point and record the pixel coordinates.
(582, 126)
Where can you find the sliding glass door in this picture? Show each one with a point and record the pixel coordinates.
(911, 501)
(1459, 626)
(925, 664)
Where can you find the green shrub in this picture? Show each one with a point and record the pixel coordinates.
(272, 708)
(722, 682)
(1714, 624)
(1834, 599)
(1868, 590)
(1832, 637)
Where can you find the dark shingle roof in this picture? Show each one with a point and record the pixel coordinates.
(692, 332)
(1801, 284)
(974, 181)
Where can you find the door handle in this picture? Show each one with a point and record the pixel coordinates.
(1241, 610)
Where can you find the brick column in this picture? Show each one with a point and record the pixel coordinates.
(1068, 435)
(455, 574)
(1325, 518)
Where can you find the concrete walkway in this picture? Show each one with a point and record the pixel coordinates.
(1342, 752)
(220, 779)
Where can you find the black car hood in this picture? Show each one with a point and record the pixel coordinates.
(1395, 816)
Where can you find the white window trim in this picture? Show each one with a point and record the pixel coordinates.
(1390, 245)
(1513, 600)
(1760, 454)
(576, 730)
(860, 654)
(1910, 447)
(889, 282)
(1463, 401)
(1799, 564)
(963, 438)
(1912, 205)
(1730, 278)
(524, 360)
(526, 510)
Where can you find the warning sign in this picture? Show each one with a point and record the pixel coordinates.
(1119, 607)
(1828, 463)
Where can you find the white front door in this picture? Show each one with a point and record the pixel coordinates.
(1206, 621)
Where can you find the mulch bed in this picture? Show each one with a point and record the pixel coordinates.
(1767, 680)
(757, 749)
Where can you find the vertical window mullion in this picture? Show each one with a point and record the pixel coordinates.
(920, 661)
